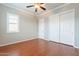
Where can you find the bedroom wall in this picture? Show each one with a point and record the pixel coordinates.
(28, 26)
(77, 27)
(76, 7)
(65, 8)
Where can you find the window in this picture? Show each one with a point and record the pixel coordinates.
(12, 23)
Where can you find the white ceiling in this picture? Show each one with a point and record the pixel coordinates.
(22, 6)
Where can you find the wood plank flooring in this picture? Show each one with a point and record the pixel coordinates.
(38, 47)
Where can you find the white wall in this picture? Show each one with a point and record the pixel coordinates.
(28, 26)
(54, 28)
(77, 27)
(67, 33)
(41, 28)
(65, 8)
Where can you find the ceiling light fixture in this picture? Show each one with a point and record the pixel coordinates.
(37, 6)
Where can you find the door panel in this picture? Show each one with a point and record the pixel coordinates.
(54, 28)
(41, 28)
(67, 28)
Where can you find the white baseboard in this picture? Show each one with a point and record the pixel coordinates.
(26, 40)
(76, 47)
(16, 42)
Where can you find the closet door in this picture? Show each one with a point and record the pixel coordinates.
(67, 28)
(41, 28)
(46, 31)
(54, 28)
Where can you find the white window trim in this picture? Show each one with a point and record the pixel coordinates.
(8, 23)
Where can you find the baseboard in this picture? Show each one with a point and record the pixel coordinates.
(76, 47)
(61, 43)
(17, 42)
(32, 39)
(43, 38)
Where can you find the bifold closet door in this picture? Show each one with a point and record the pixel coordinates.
(54, 28)
(67, 28)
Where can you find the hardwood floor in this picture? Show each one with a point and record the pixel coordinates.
(38, 47)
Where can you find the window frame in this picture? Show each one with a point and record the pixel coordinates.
(8, 23)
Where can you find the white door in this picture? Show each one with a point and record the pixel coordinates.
(67, 28)
(41, 28)
(54, 28)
